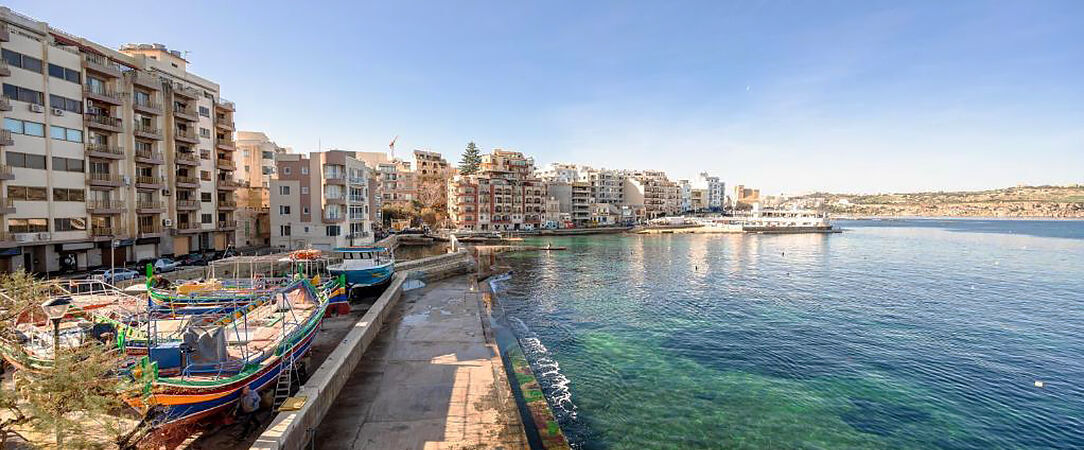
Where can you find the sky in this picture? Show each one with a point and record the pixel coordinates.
(787, 96)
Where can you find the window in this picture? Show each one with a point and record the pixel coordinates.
(22, 61)
(64, 73)
(28, 225)
(65, 134)
(304, 170)
(205, 112)
(204, 133)
(23, 94)
(286, 170)
(69, 195)
(284, 230)
(205, 197)
(204, 154)
(67, 164)
(305, 210)
(66, 104)
(205, 175)
(268, 155)
(24, 127)
(304, 190)
(284, 190)
(70, 224)
(206, 218)
(25, 160)
(332, 230)
(27, 193)
(284, 210)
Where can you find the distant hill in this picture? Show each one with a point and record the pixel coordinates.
(1020, 201)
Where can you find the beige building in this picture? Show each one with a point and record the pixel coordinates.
(503, 195)
(745, 197)
(395, 177)
(320, 201)
(255, 158)
(652, 190)
(104, 148)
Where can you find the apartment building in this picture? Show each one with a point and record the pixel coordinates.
(503, 195)
(652, 190)
(581, 203)
(745, 197)
(320, 201)
(107, 155)
(396, 178)
(255, 158)
(431, 175)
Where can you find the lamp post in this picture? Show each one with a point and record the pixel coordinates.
(55, 310)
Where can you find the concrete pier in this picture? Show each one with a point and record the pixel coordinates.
(430, 380)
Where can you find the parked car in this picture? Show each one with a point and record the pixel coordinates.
(193, 259)
(165, 265)
(112, 276)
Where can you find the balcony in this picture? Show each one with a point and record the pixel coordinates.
(5, 104)
(149, 157)
(187, 205)
(188, 228)
(226, 164)
(187, 135)
(146, 80)
(104, 151)
(5, 35)
(6, 173)
(186, 92)
(150, 207)
(333, 219)
(104, 95)
(5, 69)
(225, 144)
(147, 107)
(150, 230)
(190, 159)
(227, 204)
(102, 122)
(105, 206)
(150, 182)
(224, 124)
(186, 113)
(227, 224)
(7, 206)
(104, 179)
(147, 131)
(102, 65)
(225, 105)
(228, 185)
(5, 138)
(336, 200)
(189, 182)
(106, 233)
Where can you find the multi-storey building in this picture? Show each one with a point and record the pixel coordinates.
(652, 190)
(503, 195)
(581, 203)
(607, 186)
(745, 197)
(431, 174)
(321, 201)
(713, 192)
(255, 159)
(396, 178)
(107, 154)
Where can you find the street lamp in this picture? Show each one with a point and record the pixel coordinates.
(55, 310)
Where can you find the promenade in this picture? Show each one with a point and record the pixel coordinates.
(430, 380)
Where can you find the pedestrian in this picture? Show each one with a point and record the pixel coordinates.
(250, 405)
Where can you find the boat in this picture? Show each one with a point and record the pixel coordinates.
(202, 368)
(364, 267)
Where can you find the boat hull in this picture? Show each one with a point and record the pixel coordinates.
(372, 276)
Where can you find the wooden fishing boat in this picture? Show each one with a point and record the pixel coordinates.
(202, 373)
(364, 267)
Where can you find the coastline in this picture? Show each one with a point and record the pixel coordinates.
(1021, 218)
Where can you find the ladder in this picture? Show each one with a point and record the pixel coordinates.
(285, 381)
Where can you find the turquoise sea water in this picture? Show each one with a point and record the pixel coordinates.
(894, 334)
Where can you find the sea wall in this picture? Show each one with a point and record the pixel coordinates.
(295, 429)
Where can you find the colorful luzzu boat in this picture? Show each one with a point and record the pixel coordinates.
(364, 267)
(186, 380)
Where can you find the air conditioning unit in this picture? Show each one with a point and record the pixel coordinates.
(34, 107)
(43, 236)
(127, 180)
(167, 223)
(58, 112)
(166, 192)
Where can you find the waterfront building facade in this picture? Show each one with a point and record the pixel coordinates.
(503, 195)
(396, 178)
(744, 197)
(652, 190)
(320, 201)
(109, 157)
(255, 159)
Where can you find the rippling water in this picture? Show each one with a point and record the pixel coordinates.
(903, 334)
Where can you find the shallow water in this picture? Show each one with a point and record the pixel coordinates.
(903, 334)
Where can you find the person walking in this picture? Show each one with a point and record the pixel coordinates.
(250, 405)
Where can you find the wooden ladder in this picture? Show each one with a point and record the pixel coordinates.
(285, 381)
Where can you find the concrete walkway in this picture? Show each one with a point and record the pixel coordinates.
(430, 380)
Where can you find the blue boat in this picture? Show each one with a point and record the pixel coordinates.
(364, 267)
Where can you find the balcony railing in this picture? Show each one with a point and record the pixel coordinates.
(186, 91)
(226, 164)
(105, 150)
(146, 80)
(6, 173)
(148, 105)
(152, 228)
(187, 134)
(224, 124)
(187, 180)
(107, 231)
(102, 120)
(227, 204)
(225, 104)
(223, 224)
(102, 64)
(104, 94)
(149, 155)
(187, 204)
(189, 227)
(5, 138)
(5, 104)
(147, 130)
(143, 179)
(142, 204)
(226, 143)
(105, 204)
(104, 177)
(189, 157)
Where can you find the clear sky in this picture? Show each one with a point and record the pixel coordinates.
(788, 96)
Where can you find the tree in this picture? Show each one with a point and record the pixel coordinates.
(81, 394)
(468, 165)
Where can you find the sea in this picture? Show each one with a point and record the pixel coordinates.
(915, 333)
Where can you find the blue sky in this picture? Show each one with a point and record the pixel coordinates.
(789, 96)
